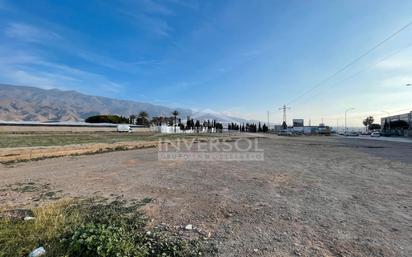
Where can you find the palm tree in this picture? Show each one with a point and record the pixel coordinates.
(175, 113)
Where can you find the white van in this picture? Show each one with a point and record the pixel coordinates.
(124, 128)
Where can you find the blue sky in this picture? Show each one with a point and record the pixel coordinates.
(238, 57)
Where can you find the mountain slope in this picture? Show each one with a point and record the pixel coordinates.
(20, 103)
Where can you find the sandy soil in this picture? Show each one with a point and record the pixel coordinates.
(311, 196)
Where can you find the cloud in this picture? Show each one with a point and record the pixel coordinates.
(151, 6)
(191, 4)
(397, 82)
(395, 64)
(27, 68)
(151, 24)
(109, 62)
(38, 35)
(148, 15)
(30, 33)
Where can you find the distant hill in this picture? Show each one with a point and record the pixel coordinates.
(212, 115)
(21, 103)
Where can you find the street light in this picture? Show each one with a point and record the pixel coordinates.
(346, 111)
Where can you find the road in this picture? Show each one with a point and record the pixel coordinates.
(389, 139)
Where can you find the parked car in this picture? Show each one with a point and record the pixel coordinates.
(375, 134)
(285, 133)
(351, 134)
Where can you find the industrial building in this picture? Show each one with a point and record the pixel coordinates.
(400, 125)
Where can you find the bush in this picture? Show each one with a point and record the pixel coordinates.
(104, 241)
(92, 228)
(19, 238)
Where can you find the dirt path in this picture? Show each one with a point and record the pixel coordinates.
(309, 197)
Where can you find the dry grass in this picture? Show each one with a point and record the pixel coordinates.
(18, 238)
(29, 139)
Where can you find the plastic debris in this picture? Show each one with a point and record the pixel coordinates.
(38, 252)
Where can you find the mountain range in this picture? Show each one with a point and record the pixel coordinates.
(23, 103)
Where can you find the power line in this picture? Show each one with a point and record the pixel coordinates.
(368, 67)
(352, 62)
(378, 114)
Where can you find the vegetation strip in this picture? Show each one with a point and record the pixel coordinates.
(14, 155)
(93, 228)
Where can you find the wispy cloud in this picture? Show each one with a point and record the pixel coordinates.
(148, 15)
(154, 25)
(47, 37)
(30, 33)
(395, 64)
(396, 82)
(191, 4)
(151, 6)
(27, 68)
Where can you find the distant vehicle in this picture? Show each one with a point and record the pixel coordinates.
(375, 134)
(124, 128)
(285, 133)
(351, 134)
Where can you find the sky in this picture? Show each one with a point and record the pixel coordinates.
(242, 58)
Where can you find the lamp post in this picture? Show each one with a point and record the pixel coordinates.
(346, 112)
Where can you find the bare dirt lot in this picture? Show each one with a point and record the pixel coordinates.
(311, 196)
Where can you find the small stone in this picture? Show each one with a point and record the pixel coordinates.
(148, 233)
(27, 218)
(256, 250)
(189, 227)
(297, 252)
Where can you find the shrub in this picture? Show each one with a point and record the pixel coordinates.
(92, 228)
(104, 241)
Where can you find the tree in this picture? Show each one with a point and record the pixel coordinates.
(175, 113)
(197, 125)
(107, 119)
(264, 128)
(143, 118)
(374, 126)
(132, 119)
(368, 121)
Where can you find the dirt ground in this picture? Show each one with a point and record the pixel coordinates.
(311, 196)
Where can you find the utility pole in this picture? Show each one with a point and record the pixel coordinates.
(346, 111)
(284, 108)
(337, 126)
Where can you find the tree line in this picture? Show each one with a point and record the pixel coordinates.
(248, 127)
(143, 119)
